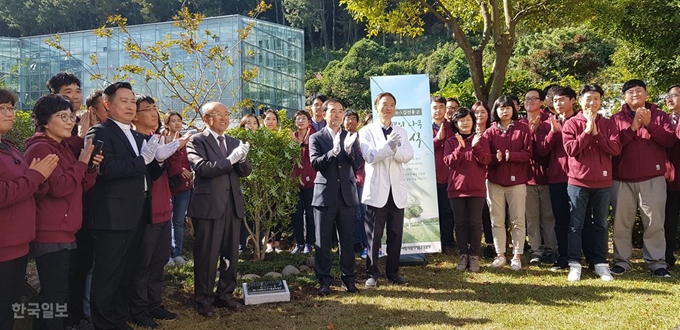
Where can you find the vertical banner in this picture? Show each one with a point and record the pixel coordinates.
(421, 215)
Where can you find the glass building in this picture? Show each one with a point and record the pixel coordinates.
(276, 51)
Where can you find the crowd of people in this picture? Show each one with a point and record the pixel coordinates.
(100, 201)
(552, 175)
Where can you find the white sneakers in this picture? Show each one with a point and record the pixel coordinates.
(498, 262)
(602, 270)
(371, 283)
(516, 264)
(574, 272)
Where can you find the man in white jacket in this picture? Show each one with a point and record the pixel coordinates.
(385, 149)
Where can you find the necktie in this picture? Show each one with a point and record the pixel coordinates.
(223, 147)
(387, 131)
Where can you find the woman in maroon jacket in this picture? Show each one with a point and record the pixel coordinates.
(467, 155)
(482, 122)
(304, 215)
(19, 181)
(511, 148)
(60, 211)
(181, 183)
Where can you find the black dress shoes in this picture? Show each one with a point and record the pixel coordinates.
(145, 320)
(325, 290)
(350, 287)
(397, 279)
(206, 311)
(230, 304)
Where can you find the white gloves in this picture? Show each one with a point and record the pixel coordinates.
(336, 144)
(148, 151)
(164, 151)
(246, 148)
(238, 155)
(349, 142)
(394, 140)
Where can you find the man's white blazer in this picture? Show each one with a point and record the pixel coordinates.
(384, 168)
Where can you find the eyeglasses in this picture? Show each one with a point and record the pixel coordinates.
(531, 99)
(635, 91)
(452, 108)
(65, 118)
(671, 96)
(147, 110)
(219, 115)
(8, 110)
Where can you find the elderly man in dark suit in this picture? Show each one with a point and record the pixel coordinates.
(120, 206)
(216, 208)
(334, 154)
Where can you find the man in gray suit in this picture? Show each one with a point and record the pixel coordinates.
(216, 208)
(334, 154)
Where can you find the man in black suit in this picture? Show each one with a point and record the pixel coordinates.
(216, 208)
(334, 154)
(120, 206)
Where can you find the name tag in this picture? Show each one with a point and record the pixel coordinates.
(658, 167)
(307, 179)
(604, 173)
(512, 178)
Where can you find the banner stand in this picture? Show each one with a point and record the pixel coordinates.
(418, 259)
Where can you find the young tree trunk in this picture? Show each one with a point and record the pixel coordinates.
(333, 26)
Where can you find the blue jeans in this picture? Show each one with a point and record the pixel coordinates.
(595, 223)
(359, 218)
(304, 217)
(180, 205)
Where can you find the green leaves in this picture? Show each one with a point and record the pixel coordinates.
(271, 190)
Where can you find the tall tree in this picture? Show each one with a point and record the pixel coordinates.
(474, 24)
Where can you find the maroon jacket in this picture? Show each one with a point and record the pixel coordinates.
(18, 184)
(75, 143)
(467, 167)
(306, 173)
(518, 141)
(590, 163)
(161, 197)
(60, 211)
(441, 170)
(673, 163)
(538, 164)
(643, 153)
(180, 163)
(552, 145)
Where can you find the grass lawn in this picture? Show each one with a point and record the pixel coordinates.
(439, 297)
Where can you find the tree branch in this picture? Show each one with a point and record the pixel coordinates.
(506, 12)
(486, 34)
(431, 9)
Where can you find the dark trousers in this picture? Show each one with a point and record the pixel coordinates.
(116, 258)
(671, 225)
(359, 219)
(148, 281)
(82, 264)
(446, 215)
(579, 199)
(54, 270)
(12, 273)
(304, 217)
(486, 224)
(468, 214)
(589, 233)
(341, 217)
(216, 239)
(377, 218)
(559, 198)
